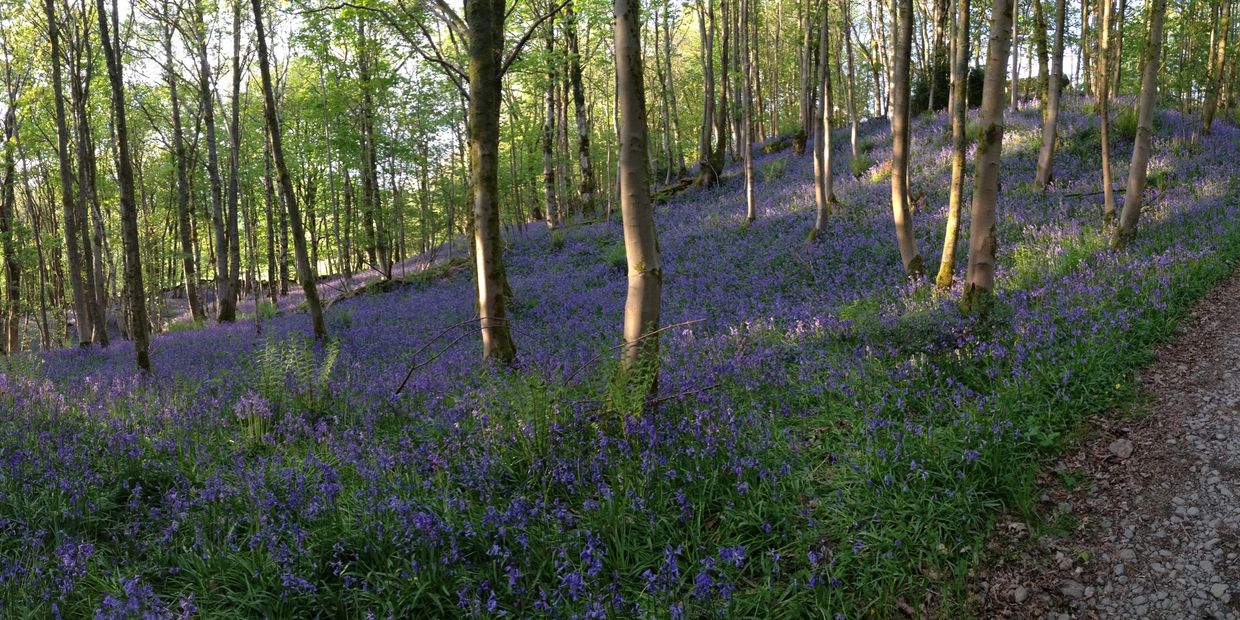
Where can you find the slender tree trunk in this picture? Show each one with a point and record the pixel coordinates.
(642, 307)
(1086, 48)
(234, 168)
(751, 212)
(1015, 59)
(1039, 43)
(900, 150)
(225, 297)
(8, 209)
(586, 186)
(852, 78)
(485, 19)
(708, 170)
(823, 193)
(550, 203)
(1145, 128)
(980, 279)
(959, 83)
(181, 164)
(1104, 97)
(66, 183)
(124, 172)
(304, 270)
(1217, 68)
(1046, 154)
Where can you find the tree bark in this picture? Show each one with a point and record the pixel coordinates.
(823, 192)
(641, 245)
(81, 318)
(751, 212)
(304, 270)
(1104, 97)
(959, 83)
(900, 138)
(1218, 64)
(181, 163)
(485, 20)
(708, 168)
(224, 294)
(586, 185)
(1145, 128)
(8, 208)
(129, 206)
(1039, 43)
(980, 279)
(1046, 154)
(550, 203)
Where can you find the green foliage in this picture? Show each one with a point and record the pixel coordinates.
(615, 256)
(557, 240)
(859, 165)
(292, 374)
(881, 173)
(267, 310)
(184, 325)
(1125, 123)
(773, 169)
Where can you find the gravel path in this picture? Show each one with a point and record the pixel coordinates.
(1148, 507)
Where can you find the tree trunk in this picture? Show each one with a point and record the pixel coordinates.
(1039, 43)
(586, 186)
(751, 212)
(1015, 60)
(550, 204)
(900, 138)
(224, 294)
(708, 170)
(823, 192)
(1104, 97)
(960, 143)
(1085, 64)
(1046, 154)
(124, 173)
(641, 245)
(73, 251)
(181, 164)
(852, 78)
(304, 270)
(8, 207)
(485, 19)
(234, 167)
(1145, 128)
(980, 278)
(1218, 64)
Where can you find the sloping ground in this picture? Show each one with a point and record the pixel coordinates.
(845, 440)
(1147, 508)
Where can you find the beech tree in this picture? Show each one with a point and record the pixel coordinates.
(134, 284)
(1103, 89)
(305, 272)
(1050, 118)
(959, 77)
(1139, 166)
(980, 279)
(641, 245)
(900, 138)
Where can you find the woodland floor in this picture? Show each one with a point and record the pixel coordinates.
(1142, 518)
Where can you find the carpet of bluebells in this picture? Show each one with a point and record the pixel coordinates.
(831, 440)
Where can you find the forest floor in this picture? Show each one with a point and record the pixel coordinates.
(1142, 518)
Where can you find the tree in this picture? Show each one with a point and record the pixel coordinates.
(1046, 153)
(1104, 97)
(585, 187)
(1217, 67)
(1145, 128)
(823, 193)
(125, 180)
(747, 111)
(900, 138)
(73, 250)
(959, 86)
(708, 166)
(181, 163)
(225, 287)
(980, 278)
(304, 271)
(11, 320)
(641, 245)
